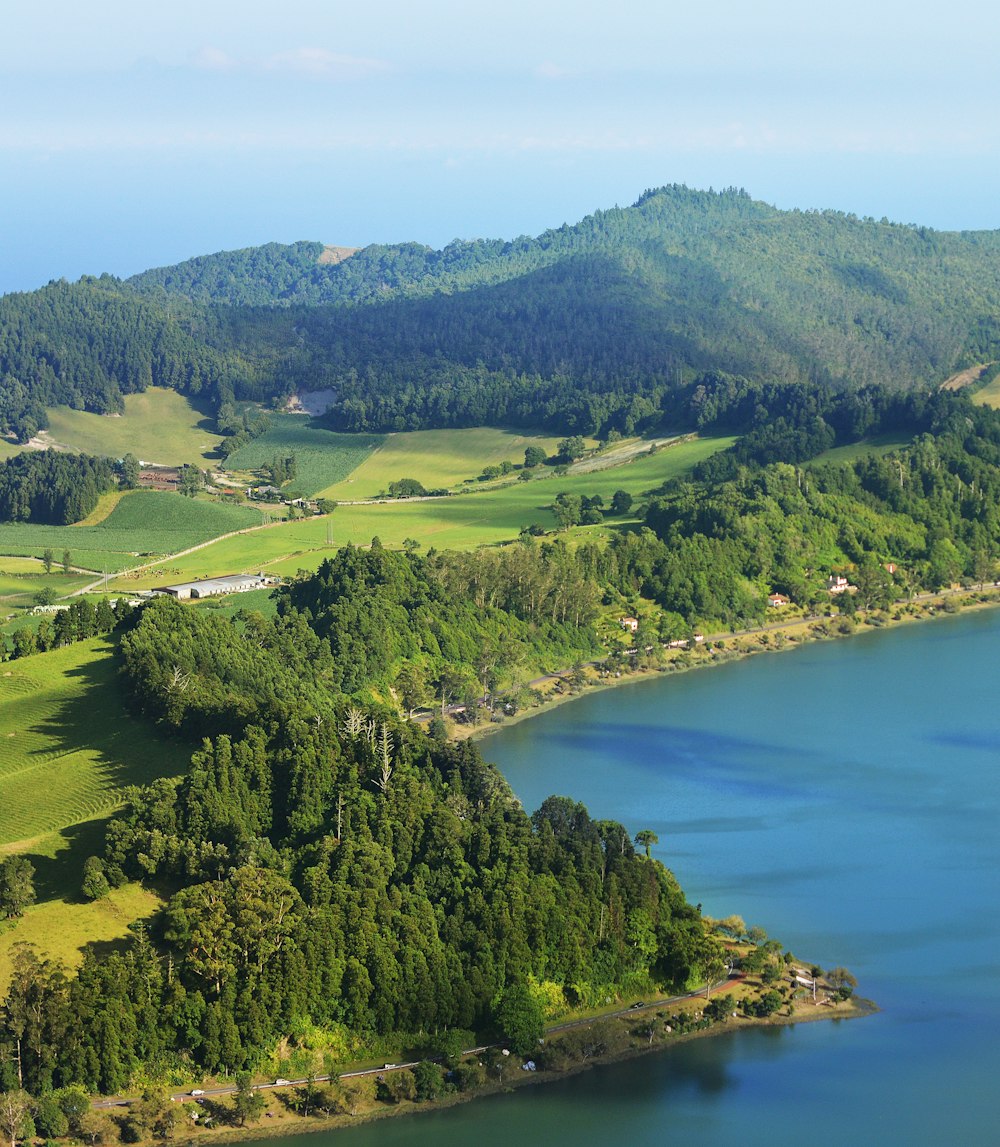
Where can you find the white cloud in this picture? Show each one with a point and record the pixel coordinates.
(214, 60)
(327, 65)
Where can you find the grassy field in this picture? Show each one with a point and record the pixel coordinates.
(462, 521)
(257, 599)
(67, 747)
(989, 395)
(158, 426)
(145, 522)
(436, 458)
(323, 458)
(866, 448)
(60, 928)
(18, 589)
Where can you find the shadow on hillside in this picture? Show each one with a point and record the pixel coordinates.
(58, 877)
(125, 751)
(93, 718)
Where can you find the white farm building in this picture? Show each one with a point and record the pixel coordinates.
(215, 586)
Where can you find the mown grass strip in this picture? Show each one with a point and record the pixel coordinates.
(67, 744)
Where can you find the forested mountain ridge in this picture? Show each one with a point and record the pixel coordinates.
(617, 308)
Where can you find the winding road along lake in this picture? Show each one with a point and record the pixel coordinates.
(845, 796)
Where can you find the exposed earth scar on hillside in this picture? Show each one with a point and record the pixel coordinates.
(967, 377)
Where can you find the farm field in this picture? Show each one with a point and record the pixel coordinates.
(18, 589)
(143, 523)
(462, 521)
(323, 457)
(436, 458)
(67, 745)
(106, 504)
(21, 579)
(158, 425)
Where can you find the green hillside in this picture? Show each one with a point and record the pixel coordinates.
(584, 329)
(67, 746)
(157, 425)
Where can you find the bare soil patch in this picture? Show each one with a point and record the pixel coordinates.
(330, 256)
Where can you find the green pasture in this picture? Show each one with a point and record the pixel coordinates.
(158, 425)
(874, 447)
(14, 567)
(144, 523)
(989, 395)
(323, 458)
(259, 600)
(19, 589)
(8, 449)
(462, 521)
(67, 748)
(436, 458)
(67, 744)
(60, 928)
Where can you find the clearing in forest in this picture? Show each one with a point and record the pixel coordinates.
(874, 447)
(158, 425)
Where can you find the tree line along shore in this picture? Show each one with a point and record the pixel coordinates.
(770, 989)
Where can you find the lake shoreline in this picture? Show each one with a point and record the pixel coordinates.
(796, 633)
(855, 1008)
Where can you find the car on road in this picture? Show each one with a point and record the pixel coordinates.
(636, 1006)
(282, 1082)
(198, 1091)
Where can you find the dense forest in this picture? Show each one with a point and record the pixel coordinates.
(52, 488)
(583, 329)
(326, 864)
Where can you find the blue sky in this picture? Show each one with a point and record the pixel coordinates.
(135, 135)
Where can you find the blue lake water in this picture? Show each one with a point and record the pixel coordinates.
(846, 797)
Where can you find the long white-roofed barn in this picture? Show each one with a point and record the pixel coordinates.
(216, 586)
